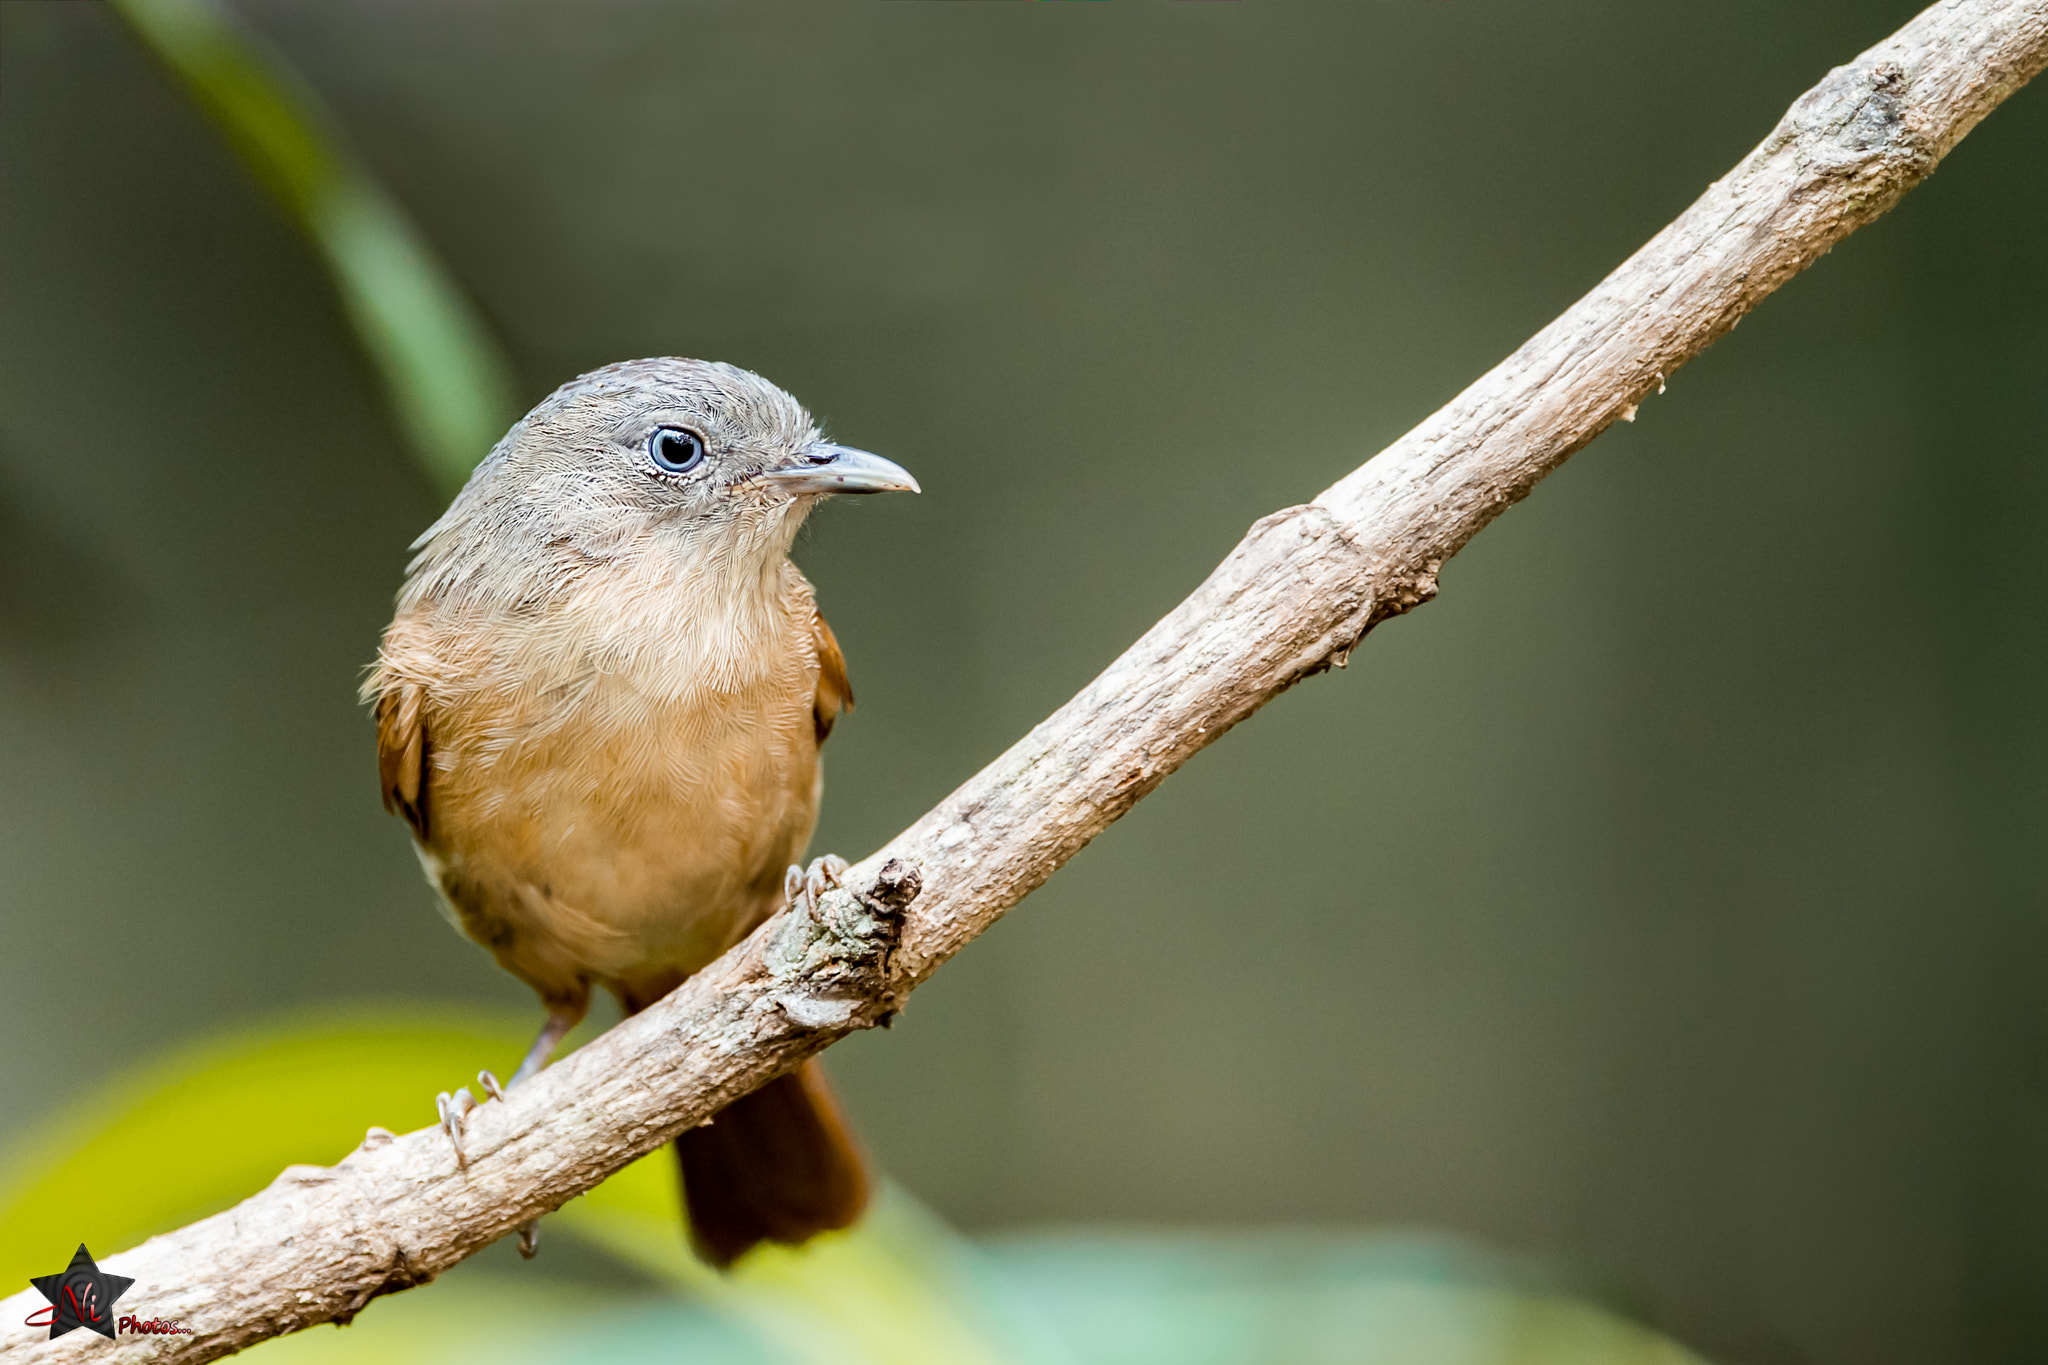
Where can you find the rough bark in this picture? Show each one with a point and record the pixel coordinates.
(1291, 600)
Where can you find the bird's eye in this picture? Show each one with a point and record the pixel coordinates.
(675, 450)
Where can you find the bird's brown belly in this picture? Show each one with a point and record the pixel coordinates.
(636, 842)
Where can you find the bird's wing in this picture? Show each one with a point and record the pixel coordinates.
(402, 753)
(835, 693)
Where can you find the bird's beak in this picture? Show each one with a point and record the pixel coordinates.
(841, 469)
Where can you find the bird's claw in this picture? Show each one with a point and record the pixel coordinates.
(827, 874)
(801, 887)
(454, 1110)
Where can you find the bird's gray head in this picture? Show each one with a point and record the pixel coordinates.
(682, 457)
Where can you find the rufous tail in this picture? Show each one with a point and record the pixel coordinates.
(778, 1165)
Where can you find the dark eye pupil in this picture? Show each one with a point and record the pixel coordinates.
(676, 450)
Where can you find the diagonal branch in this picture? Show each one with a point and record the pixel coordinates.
(1292, 599)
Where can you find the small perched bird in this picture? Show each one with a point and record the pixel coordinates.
(599, 707)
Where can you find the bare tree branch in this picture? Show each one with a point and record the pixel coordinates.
(1293, 598)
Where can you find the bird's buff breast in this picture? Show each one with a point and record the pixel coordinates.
(613, 820)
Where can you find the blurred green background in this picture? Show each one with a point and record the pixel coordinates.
(1662, 906)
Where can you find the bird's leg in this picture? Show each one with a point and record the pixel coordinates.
(455, 1108)
(551, 1034)
(800, 887)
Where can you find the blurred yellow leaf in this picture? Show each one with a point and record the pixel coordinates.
(211, 1123)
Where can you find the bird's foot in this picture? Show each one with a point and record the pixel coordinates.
(454, 1110)
(529, 1234)
(803, 887)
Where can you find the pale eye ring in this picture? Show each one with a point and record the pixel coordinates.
(675, 450)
